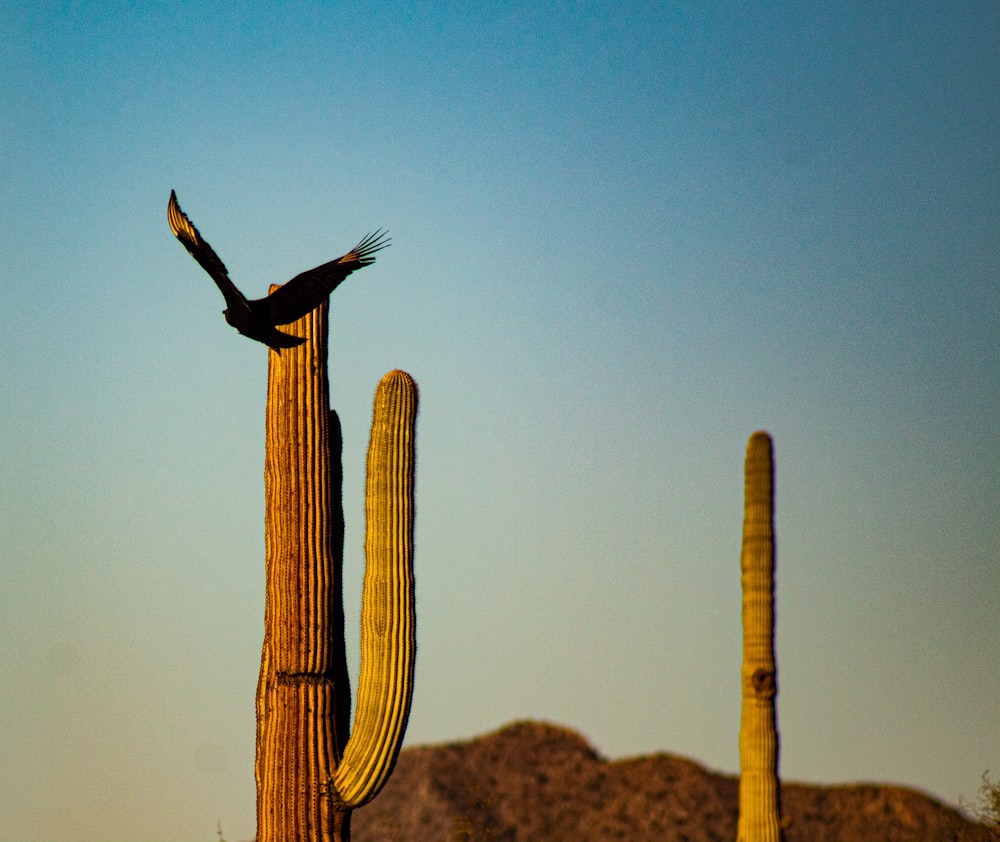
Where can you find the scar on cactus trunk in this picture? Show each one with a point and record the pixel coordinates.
(760, 808)
(310, 774)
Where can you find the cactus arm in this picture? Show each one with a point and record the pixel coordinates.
(388, 616)
(760, 813)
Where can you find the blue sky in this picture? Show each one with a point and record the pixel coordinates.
(625, 236)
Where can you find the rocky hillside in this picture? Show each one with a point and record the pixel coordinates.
(533, 782)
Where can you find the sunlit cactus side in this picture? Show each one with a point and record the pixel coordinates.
(760, 802)
(309, 773)
(388, 615)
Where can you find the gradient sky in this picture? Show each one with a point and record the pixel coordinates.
(625, 236)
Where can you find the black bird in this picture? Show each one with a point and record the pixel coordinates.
(300, 295)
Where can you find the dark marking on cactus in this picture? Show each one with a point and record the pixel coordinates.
(764, 683)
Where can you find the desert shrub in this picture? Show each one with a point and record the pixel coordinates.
(985, 807)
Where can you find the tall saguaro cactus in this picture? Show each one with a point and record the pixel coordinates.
(310, 775)
(760, 810)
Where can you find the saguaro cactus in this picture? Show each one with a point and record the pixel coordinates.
(310, 775)
(760, 811)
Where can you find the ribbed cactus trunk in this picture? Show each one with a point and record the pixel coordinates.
(303, 692)
(309, 774)
(760, 808)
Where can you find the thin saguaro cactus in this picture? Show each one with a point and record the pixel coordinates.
(310, 774)
(760, 804)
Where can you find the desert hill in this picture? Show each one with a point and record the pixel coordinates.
(534, 782)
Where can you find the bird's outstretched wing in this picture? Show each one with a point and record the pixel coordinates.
(201, 251)
(305, 292)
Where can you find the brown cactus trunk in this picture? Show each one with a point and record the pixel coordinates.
(303, 692)
(760, 811)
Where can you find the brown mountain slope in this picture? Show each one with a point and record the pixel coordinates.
(533, 782)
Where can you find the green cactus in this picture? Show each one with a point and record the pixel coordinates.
(309, 774)
(388, 617)
(760, 810)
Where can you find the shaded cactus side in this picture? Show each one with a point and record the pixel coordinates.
(760, 811)
(309, 773)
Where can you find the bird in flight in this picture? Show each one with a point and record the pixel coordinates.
(302, 294)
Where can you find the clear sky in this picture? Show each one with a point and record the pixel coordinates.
(625, 236)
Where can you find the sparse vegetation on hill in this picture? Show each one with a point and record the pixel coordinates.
(985, 808)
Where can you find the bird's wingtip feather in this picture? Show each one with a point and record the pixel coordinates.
(372, 242)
